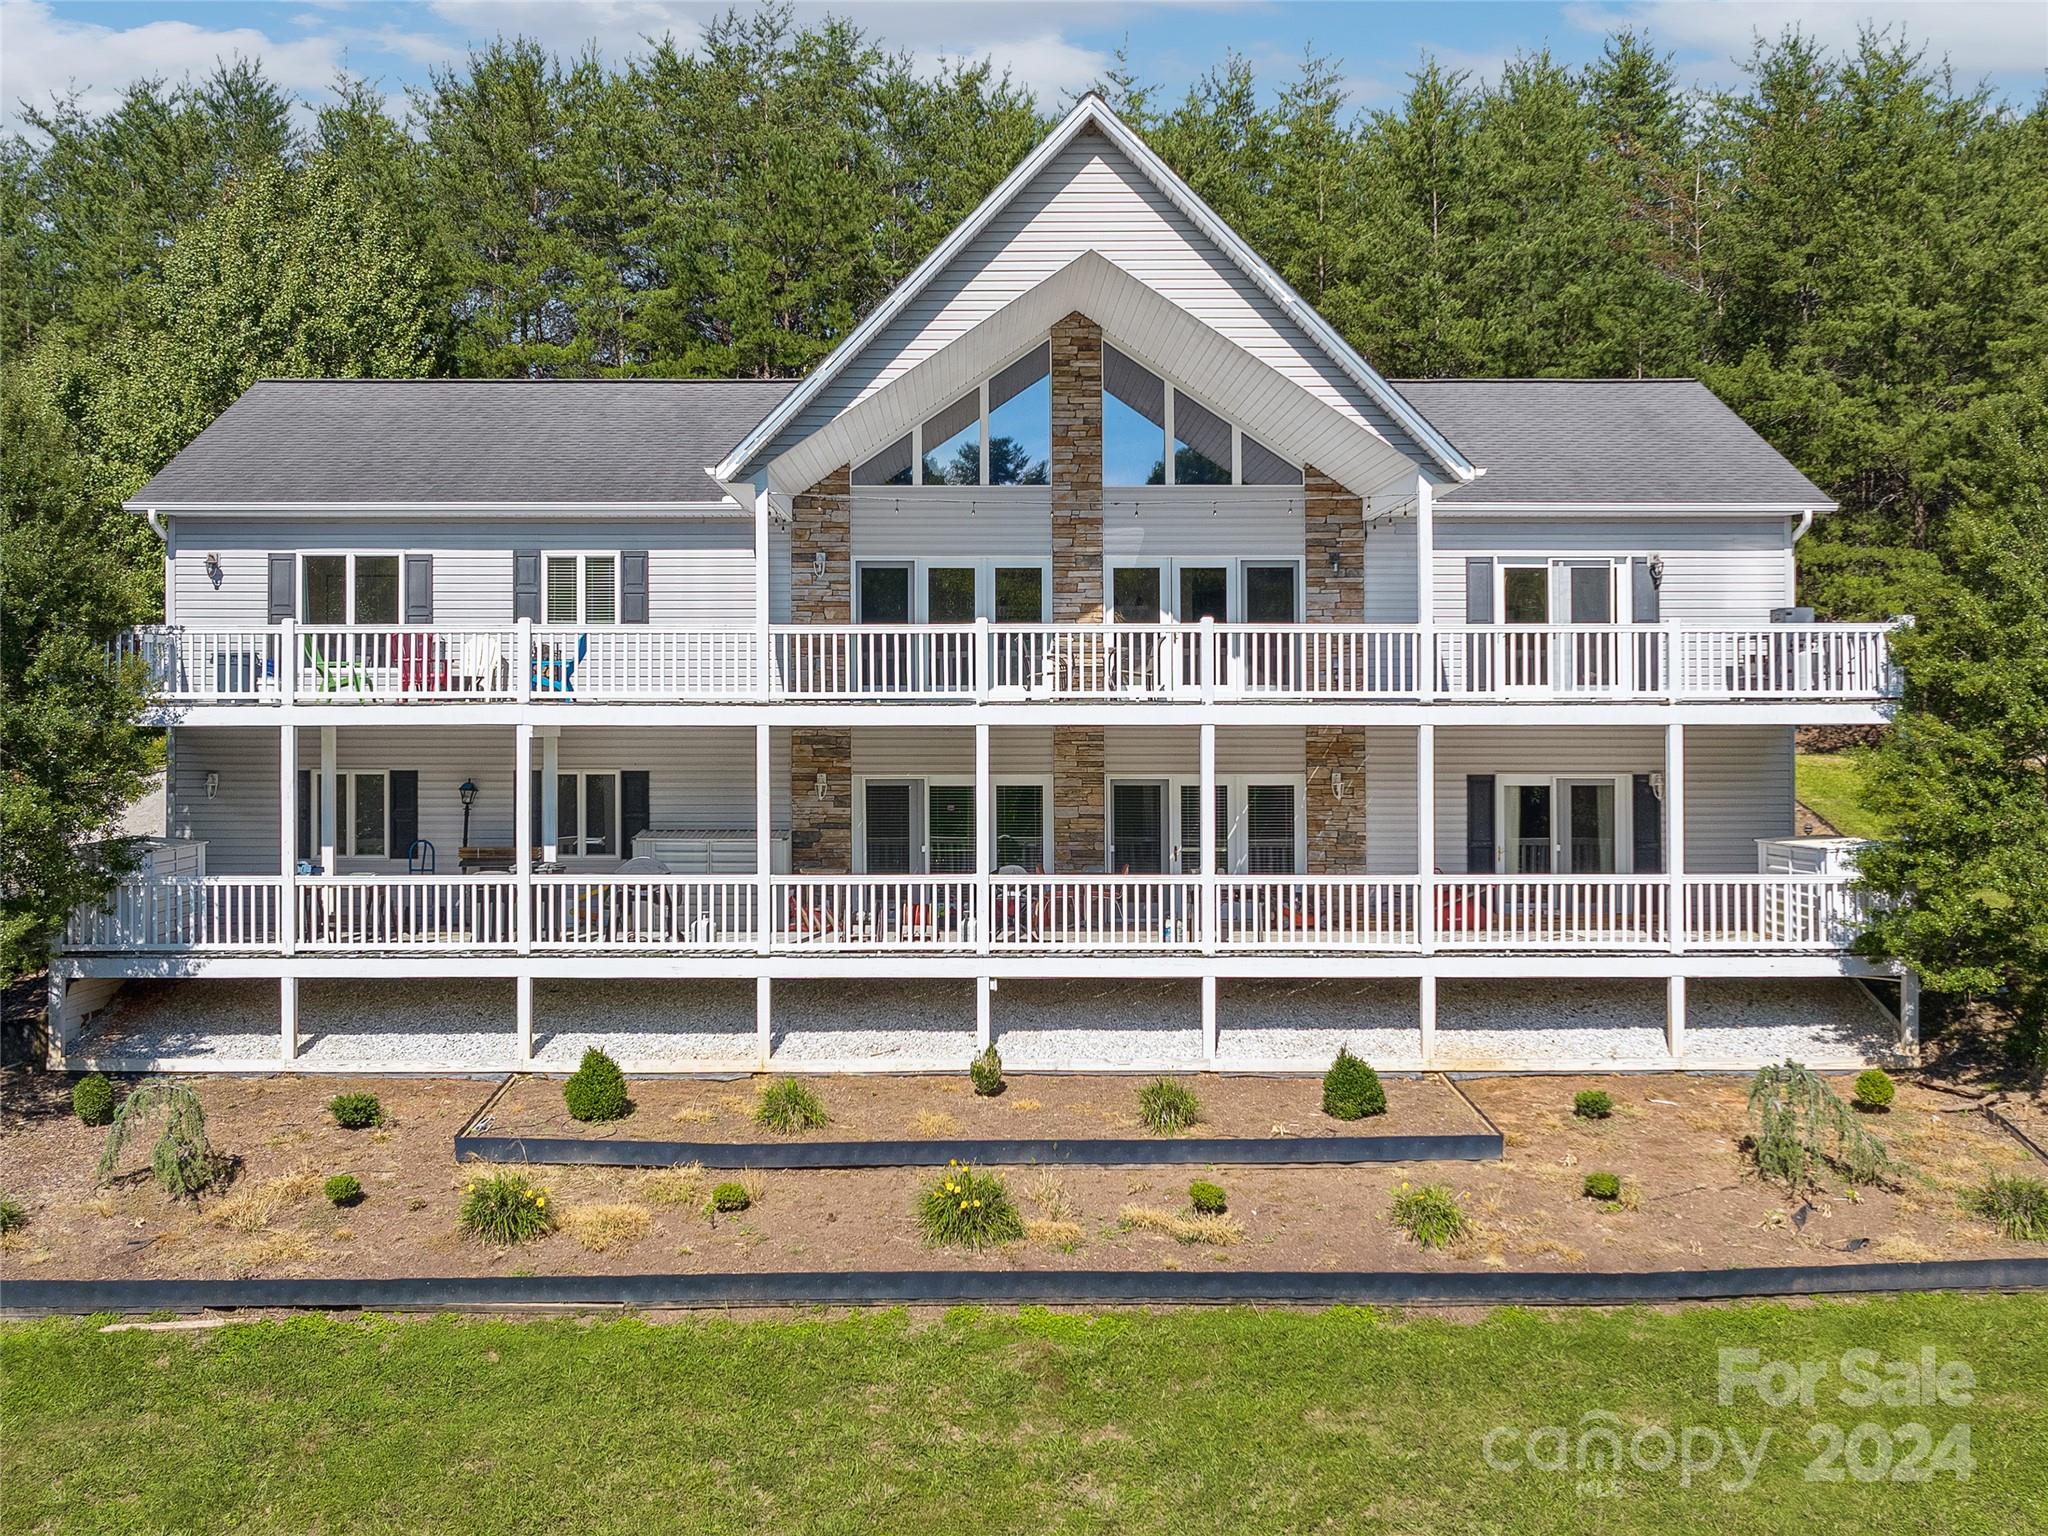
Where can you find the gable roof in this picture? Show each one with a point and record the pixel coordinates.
(1092, 115)
(1607, 442)
(363, 444)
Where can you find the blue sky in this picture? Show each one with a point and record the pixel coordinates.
(97, 46)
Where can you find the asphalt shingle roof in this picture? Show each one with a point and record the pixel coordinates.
(465, 440)
(1605, 440)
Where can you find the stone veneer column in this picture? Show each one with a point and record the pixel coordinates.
(1335, 524)
(821, 522)
(1336, 828)
(1079, 826)
(821, 831)
(1076, 471)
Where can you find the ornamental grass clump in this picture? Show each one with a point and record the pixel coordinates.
(183, 1160)
(1592, 1104)
(965, 1209)
(356, 1111)
(1351, 1089)
(13, 1214)
(1429, 1213)
(986, 1073)
(2018, 1207)
(596, 1090)
(344, 1189)
(1168, 1107)
(505, 1208)
(1802, 1127)
(93, 1100)
(787, 1106)
(1875, 1091)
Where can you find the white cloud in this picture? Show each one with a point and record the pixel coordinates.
(1980, 37)
(1044, 62)
(44, 54)
(618, 27)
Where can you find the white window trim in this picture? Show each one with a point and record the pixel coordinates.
(580, 556)
(1237, 839)
(1170, 568)
(1043, 783)
(1617, 592)
(915, 432)
(984, 817)
(344, 813)
(348, 557)
(1237, 436)
(1624, 815)
(579, 775)
(984, 568)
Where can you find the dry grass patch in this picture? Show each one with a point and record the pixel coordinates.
(694, 1114)
(253, 1207)
(599, 1228)
(1063, 1235)
(1550, 1248)
(674, 1189)
(934, 1125)
(1215, 1231)
(1900, 1249)
(1051, 1197)
(270, 1252)
(1023, 1106)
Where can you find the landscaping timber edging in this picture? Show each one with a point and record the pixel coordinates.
(1017, 1152)
(857, 1288)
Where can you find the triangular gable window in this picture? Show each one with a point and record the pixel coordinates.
(999, 433)
(1141, 413)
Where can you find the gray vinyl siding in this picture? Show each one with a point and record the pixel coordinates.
(700, 571)
(932, 524)
(1390, 572)
(1716, 570)
(1389, 800)
(239, 825)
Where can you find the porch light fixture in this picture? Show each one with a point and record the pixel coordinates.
(1337, 782)
(1657, 571)
(212, 783)
(818, 563)
(821, 787)
(467, 793)
(213, 571)
(1336, 562)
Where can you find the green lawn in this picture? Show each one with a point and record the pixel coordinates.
(1196, 1421)
(1832, 783)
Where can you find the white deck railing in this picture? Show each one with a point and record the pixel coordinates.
(1008, 662)
(874, 912)
(1045, 914)
(220, 913)
(642, 912)
(406, 912)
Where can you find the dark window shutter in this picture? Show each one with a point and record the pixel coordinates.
(1479, 591)
(1644, 597)
(419, 589)
(634, 816)
(1649, 811)
(533, 820)
(405, 812)
(526, 584)
(1479, 824)
(306, 813)
(633, 587)
(284, 574)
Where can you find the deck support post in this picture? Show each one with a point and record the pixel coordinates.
(1425, 577)
(61, 1030)
(1425, 838)
(1674, 1017)
(764, 1021)
(551, 795)
(764, 858)
(1209, 1019)
(328, 810)
(522, 1004)
(984, 1021)
(1909, 1010)
(522, 834)
(288, 1018)
(984, 843)
(1425, 1014)
(1674, 834)
(287, 838)
(1207, 841)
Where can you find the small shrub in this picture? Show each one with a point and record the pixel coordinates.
(1875, 1091)
(730, 1198)
(596, 1090)
(356, 1111)
(183, 1160)
(1429, 1213)
(93, 1100)
(965, 1209)
(1802, 1126)
(1207, 1199)
(2018, 1207)
(1592, 1104)
(1603, 1186)
(1351, 1089)
(1167, 1106)
(504, 1208)
(344, 1189)
(13, 1215)
(787, 1106)
(986, 1072)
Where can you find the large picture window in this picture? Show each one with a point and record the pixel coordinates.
(349, 589)
(1141, 414)
(999, 433)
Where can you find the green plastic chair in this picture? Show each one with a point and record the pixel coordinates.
(335, 676)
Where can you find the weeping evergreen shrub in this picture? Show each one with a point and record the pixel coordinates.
(985, 1071)
(183, 1160)
(596, 1090)
(1802, 1127)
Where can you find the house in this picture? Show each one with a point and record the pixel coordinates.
(1094, 654)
